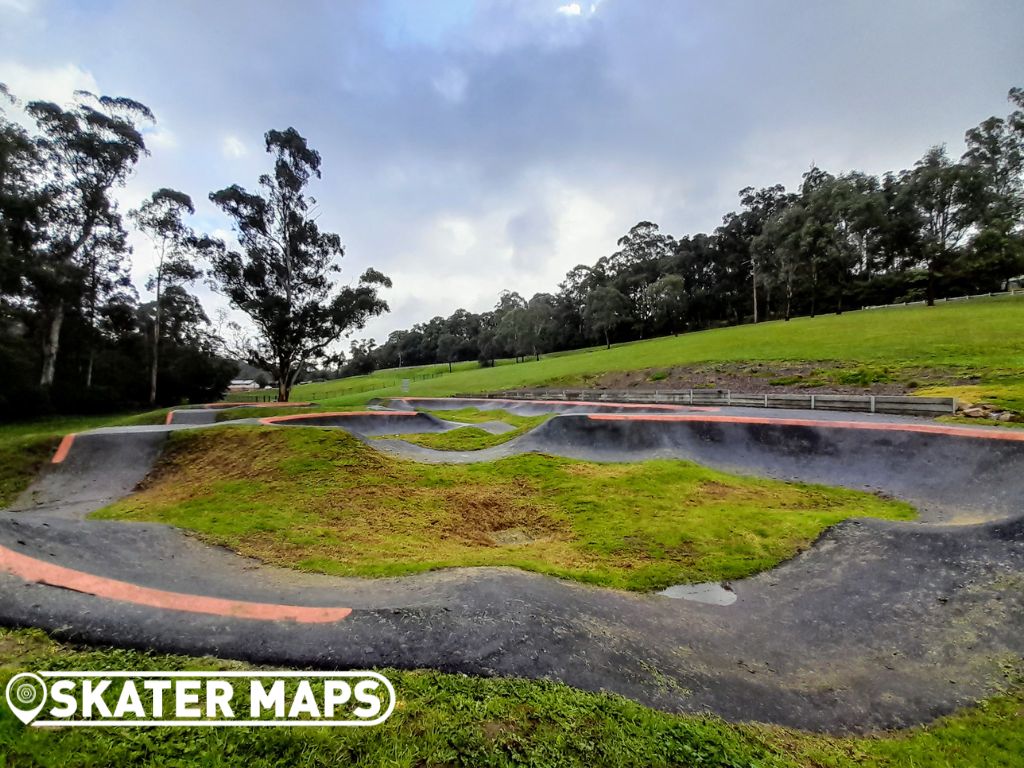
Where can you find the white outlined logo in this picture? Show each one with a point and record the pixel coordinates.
(26, 696)
(231, 698)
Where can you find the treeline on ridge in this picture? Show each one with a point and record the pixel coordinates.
(944, 227)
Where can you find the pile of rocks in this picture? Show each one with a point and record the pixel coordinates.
(985, 411)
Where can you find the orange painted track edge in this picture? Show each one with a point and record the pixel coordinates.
(248, 404)
(930, 429)
(224, 406)
(270, 420)
(34, 570)
(62, 450)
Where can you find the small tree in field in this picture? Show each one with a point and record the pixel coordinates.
(447, 349)
(282, 277)
(160, 217)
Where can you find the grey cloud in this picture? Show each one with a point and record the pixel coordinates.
(531, 234)
(425, 111)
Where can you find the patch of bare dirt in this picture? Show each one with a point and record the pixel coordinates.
(488, 517)
(512, 537)
(762, 378)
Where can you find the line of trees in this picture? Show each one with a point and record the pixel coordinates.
(943, 227)
(74, 335)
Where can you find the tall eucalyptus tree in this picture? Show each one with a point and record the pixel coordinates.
(87, 150)
(282, 276)
(161, 217)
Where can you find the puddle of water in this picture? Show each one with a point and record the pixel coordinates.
(711, 592)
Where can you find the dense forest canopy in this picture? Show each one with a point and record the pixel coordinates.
(944, 227)
(73, 334)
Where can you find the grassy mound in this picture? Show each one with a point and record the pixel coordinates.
(462, 439)
(266, 411)
(480, 415)
(1006, 393)
(473, 438)
(320, 500)
(456, 720)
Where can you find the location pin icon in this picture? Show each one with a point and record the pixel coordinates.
(26, 695)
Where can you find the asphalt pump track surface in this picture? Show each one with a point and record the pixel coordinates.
(879, 624)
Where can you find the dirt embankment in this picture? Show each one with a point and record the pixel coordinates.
(788, 377)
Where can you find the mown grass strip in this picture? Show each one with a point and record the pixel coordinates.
(444, 720)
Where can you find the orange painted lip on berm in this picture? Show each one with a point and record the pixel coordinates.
(40, 572)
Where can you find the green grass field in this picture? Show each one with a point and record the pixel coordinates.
(463, 439)
(449, 720)
(355, 385)
(980, 339)
(470, 438)
(320, 500)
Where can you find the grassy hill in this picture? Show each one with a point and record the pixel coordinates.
(975, 346)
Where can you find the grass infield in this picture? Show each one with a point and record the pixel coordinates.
(320, 500)
(470, 438)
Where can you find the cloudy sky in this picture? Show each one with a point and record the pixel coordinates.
(471, 146)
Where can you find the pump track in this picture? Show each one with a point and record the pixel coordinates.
(879, 624)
